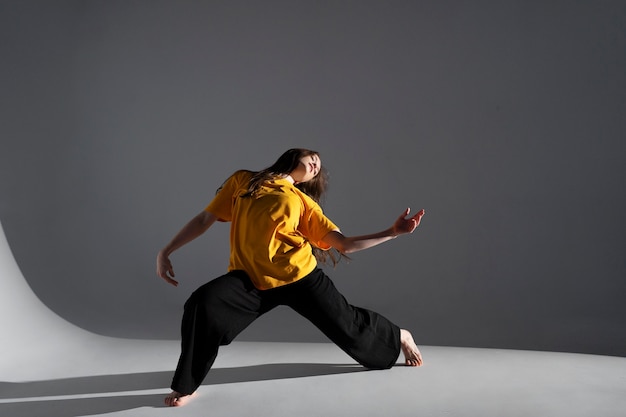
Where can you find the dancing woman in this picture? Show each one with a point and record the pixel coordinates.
(278, 232)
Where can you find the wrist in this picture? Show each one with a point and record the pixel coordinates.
(164, 253)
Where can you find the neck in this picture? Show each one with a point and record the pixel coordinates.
(289, 178)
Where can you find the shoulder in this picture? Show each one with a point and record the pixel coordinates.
(233, 184)
(307, 201)
(242, 175)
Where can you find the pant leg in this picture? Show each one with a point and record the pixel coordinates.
(368, 337)
(214, 315)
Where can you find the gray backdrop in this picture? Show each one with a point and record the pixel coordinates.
(503, 119)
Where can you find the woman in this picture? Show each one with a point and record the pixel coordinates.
(278, 232)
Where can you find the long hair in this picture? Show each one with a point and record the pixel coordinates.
(314, 188)
(285, 165)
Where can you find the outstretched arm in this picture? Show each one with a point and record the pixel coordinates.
(196, 226)
(349, 244)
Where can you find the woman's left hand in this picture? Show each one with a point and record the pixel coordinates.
(407, 225)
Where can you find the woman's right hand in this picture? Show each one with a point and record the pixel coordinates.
(165, 269)
(194, 228)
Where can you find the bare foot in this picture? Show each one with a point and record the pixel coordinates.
(412, 355)
(176, 399)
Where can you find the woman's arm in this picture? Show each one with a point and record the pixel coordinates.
(346, 244)
(196, 226)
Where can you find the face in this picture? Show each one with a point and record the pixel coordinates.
(308, 167)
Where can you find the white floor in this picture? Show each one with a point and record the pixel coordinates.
(53, 369)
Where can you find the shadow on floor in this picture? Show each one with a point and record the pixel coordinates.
(24, 399)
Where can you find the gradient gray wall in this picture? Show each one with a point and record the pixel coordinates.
(503, 119)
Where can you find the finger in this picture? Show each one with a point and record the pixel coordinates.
(165, 270)
(167, 278)
(404, 214)
(171, 281)
(419, 215)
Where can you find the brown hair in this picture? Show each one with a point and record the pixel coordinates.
(285, 165)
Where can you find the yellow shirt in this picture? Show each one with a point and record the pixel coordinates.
(271, 233)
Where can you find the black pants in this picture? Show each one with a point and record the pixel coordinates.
(219, 310)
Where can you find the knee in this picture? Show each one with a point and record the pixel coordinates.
(203, 301)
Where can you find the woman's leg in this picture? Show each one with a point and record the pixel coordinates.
(366, 336)
(214, 315)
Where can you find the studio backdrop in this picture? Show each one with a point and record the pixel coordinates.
(503, 119)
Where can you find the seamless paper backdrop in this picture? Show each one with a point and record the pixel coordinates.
(503, 119)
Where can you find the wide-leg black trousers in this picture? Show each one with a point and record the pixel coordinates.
(218, 311)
